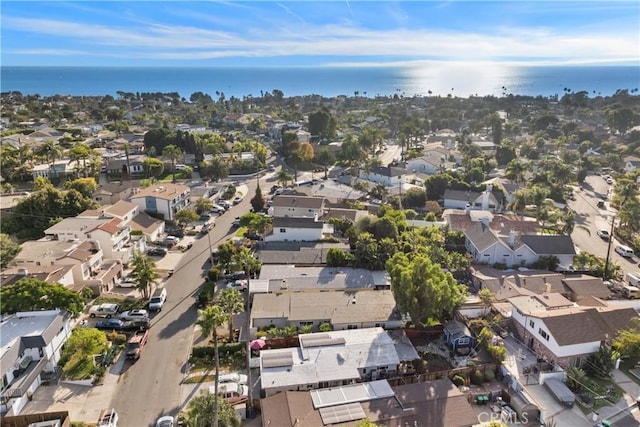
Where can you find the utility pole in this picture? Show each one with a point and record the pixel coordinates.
(606, 263)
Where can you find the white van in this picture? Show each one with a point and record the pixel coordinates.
(624, 251)
(633, 279)
(233, 377)
(180, 167)
(630, 292)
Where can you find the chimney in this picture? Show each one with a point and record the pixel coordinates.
(512, 239)
(547, 287)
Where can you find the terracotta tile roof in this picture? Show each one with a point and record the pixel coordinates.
(111, 227)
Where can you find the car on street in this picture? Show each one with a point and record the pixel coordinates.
(165, 421)
(110, 325)
(224, 204)
(601, 204)
(157, 252)
(236, 222)
(624, 251)
(134, 314)
(158, 299)
(271, 168)
(237, 200)
(610, 181)
(603, 234)
(216, 209)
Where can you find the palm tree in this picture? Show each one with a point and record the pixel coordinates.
(284, 177)
(231, 302)
(515, 170)
(81, 151)
(519, 202)
(245, 261)
(173, 153)
(210, 318)
(203, 205)
(50, 151)
(144, 272)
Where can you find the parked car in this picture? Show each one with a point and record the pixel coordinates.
(136, 344)
(271, 168)
(600, 204)
(110, 325)
(233, 377)
(173, 240)
(236, 275)
(157, 252)
(236, 222)
(240, 285)
(136, 324)
(134, 314)
(127, 282)
(175, 232)
(216, 209)
(104, 310)
(157, 299)
(252, 235)
(603, 234)
(237, 200)
(232, 393)
(225, 204)
(166, 421)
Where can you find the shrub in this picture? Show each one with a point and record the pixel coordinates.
(458, 380)
(497, 353)
(476, 377)
(420, 365)
(325, 327)
(489, 375)
(471, 364)
(120, 339)
(214, 274)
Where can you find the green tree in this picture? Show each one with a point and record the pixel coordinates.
(81, 151)
(216, 169)
(201, 407)
(516, 170)
(257, 202)
(34, 294)
(284, 177)
(203, 205)
(421, 288)
(366, 252)
(325, 158)
(8, 250)
(627, 342)
(173, 153)
(51, 151)
(487, 299)
(414, 198)
(152, 167)
(210, 319)
(321, 123)
(144, 272)
(186, 216)
(84, 186)
(336, 257)
(231, 302)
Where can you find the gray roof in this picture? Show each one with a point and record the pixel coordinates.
(545, 244)
(389, 171)
(298, 202)
(296, 253)
(457, 329)
(296, 222)
(298, 278)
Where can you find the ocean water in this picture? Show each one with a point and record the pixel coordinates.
(441, 79)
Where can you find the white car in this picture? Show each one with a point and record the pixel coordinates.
(217, 209)
(166, 421)
(233, 377)
(134, 315)
(603, 234)
(127, 282)
(104, 310)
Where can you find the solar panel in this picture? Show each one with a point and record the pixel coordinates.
(342, 413)
(274, 360)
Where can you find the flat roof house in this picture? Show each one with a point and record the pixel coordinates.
(165, 199)
(329, 359)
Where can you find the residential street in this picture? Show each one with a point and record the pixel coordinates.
(150, 388)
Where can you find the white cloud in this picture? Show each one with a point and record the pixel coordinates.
(167, 41)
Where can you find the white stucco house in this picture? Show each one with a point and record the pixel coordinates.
(630, 163)
(560, 331)
(389, 176)
(30, 343)
(297, 206)
(164, 199)
(488, 246)
(488, 200)
(298, 229)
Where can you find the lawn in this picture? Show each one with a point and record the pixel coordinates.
(240, 231)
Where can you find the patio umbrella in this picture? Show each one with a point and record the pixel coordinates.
(257, 344)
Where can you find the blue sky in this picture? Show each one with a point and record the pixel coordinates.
(233, 33)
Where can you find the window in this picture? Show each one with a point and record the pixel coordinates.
(283, 230)
(352, 326)
(532, 323)
(379, 325)
(302, 324)
(463, 341)
(543, 334)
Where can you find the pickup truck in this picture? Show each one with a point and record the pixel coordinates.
(136, 344)
(104, 310)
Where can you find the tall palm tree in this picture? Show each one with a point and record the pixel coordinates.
(245, 261)
(172, 153)
(144, 272)
(515, 170)
(210, 318)
(50, 150)
(231, 302)
(81, 151)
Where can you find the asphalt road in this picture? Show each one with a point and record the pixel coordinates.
(592, 218)
(149, 388)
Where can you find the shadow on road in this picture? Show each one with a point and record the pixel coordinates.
(186, 319)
